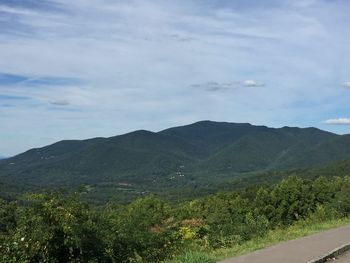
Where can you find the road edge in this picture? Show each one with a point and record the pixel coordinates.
(332, 254)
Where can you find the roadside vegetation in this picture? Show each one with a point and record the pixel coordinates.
(59, 227)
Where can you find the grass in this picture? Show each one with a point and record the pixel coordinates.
(194, 257)
(299, 229)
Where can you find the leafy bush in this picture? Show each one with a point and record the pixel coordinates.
(53, 228)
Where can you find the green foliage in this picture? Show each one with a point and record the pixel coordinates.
(292, 199)
(58, 227)
(7, 217)
(342, 196)
(53, 228)
(193, 257)
(143, 228)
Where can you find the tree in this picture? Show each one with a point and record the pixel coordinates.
(54, 228)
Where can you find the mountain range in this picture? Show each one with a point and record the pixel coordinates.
(189, 158)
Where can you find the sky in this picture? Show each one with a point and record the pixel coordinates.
(98, 68)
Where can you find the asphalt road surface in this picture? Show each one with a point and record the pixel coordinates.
(300, 250)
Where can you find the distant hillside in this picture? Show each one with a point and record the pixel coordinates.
(257, 179)
(189, 158)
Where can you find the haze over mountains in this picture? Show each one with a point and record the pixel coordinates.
(186, 157)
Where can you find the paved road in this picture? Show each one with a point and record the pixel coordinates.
(345, 258)
(299, 250)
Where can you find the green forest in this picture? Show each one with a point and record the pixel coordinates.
(177, 164)
(60, 227)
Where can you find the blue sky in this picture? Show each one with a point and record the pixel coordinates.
(80, 69)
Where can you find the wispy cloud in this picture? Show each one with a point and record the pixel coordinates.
(338, 121)
(60, 103)
(9, 79)
(12, 79)
(10, 97)
(46, 5)
(124, 65)
(213, 86)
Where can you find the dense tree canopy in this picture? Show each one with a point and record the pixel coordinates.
(59, 227)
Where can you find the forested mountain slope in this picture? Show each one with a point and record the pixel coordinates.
(201, 154)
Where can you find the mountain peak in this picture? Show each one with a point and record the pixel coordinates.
(140, 132)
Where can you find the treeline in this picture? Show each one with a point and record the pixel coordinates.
(58, 227)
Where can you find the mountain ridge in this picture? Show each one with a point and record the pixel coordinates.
(194, 155)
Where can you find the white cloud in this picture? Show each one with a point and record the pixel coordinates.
(252, 83)
(346, 84)
(338, 121)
